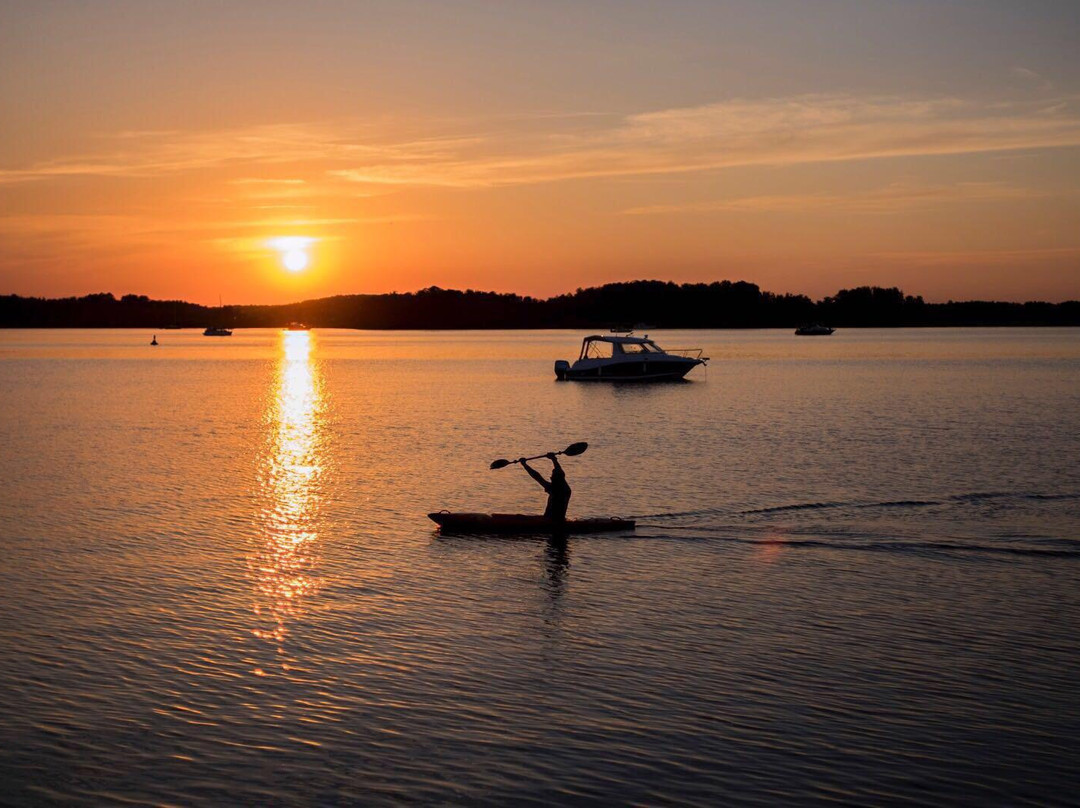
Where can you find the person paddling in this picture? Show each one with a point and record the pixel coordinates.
(557, 489)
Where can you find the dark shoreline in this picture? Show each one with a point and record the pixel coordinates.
(723, 304)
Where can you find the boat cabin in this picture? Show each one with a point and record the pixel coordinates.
(604, 347)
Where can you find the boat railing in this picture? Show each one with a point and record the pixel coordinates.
(688, 353)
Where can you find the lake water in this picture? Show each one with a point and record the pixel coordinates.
(856, 576)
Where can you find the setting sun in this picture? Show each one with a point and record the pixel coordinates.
(295, 260)
(293, 250)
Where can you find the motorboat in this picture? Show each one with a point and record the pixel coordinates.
(813, 330)
(508, 524)
(297, 327)
(624, 357)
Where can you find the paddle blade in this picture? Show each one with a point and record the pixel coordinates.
(575, 449)
(499, 464)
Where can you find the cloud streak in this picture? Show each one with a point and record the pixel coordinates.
(154, 154)
(503, 152)
(894, 198)
(954, 258)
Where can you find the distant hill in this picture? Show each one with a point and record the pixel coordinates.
(722, 304)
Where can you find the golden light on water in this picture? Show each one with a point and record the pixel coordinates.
(289, 479)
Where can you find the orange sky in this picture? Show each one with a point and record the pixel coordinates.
(161, 148)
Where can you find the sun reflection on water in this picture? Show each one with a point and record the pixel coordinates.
(284, 563)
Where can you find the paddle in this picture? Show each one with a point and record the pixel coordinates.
(572, 450)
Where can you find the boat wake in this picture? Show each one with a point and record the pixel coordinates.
(818, 506)
(884, 546)
(1005, 523)
(976, 497)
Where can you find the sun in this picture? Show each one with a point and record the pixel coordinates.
(295, 260)
(293, 251)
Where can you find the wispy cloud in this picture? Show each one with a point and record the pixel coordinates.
(256, 243)
(1040, 82)
(106, 231)
(805, 129)
(309, 145)
(893, 198)
(954, 258)
(264, 181)
(777, 131)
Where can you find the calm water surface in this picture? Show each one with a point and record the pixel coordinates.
(856, 576)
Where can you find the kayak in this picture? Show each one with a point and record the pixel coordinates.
(521, 523)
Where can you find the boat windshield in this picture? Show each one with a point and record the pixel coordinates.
(639, 348)
(595, 349)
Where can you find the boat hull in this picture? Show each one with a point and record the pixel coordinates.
(509, 524)
(636, 371)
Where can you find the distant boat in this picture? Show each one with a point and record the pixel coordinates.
(298, 327)
(217, 330)
(813, 330)
(154, 340)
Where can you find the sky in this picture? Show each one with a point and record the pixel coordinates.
(266, 152)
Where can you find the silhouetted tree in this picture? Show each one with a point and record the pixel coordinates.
(721, 304)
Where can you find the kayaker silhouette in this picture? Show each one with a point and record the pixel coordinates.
(558, 490)
(553, 521)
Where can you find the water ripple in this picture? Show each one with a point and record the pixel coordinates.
(854, 582)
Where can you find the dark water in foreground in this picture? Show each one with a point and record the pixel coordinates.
(856, 576)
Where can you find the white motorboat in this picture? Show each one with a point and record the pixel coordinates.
(628, 358)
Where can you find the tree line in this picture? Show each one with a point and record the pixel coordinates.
(659, 304)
